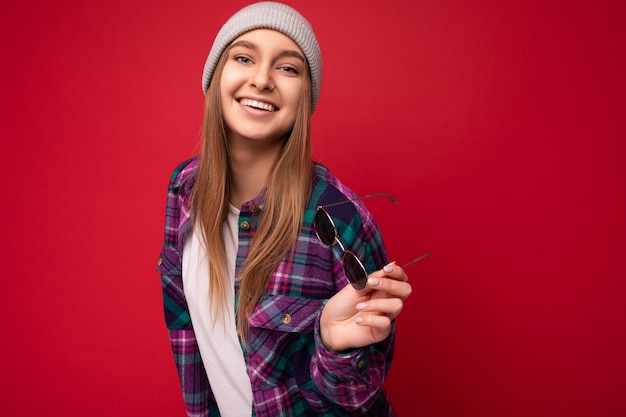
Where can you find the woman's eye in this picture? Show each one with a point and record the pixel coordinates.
(290, 70)
(242, 59)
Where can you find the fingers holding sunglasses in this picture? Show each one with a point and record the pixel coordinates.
(392, 284)
(337, 322)
(394, 271)
(375, 308)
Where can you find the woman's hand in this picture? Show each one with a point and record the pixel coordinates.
(353, 318)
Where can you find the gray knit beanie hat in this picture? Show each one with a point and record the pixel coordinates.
(269, 15)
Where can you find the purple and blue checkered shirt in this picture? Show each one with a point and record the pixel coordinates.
(291, 372)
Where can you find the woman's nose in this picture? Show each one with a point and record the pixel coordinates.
(262, 79)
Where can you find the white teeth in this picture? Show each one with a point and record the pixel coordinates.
(257, 104)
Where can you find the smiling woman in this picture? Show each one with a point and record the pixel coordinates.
(282, 332)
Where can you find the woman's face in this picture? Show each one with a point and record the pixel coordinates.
(260, 86)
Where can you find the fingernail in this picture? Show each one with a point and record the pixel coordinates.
(373, 282)
(361, 306)
(389, 266)
(358, 320)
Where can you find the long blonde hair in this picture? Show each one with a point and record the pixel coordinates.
(287, 192)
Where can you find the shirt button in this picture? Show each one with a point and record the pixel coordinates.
(360, 363)
(286, 318)
(253, 208)
(245, 225)
(160, 262)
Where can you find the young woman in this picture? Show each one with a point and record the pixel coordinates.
(261, 244)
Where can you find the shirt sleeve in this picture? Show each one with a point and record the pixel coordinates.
(353, 379)
(194, 383)
(170, 259)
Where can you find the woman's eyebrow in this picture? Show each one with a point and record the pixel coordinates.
(243, 44)
(292, 53)
(284, 53)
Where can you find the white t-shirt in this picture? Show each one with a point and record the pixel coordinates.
(219, 345)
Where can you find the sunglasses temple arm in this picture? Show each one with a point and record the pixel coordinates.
(419, 258)
(389, 196)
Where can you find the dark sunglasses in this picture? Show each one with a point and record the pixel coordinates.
(326, 232)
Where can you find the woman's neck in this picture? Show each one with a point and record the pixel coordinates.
(250, 169)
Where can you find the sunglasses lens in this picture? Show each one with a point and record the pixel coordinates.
(324, 227)
(354, 270)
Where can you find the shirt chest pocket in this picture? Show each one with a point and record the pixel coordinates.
(286, 314)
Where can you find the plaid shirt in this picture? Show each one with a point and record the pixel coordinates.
(291, 372)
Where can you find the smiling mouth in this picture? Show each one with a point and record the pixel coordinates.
(257, 104)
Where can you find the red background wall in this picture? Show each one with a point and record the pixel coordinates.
(498, 125)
